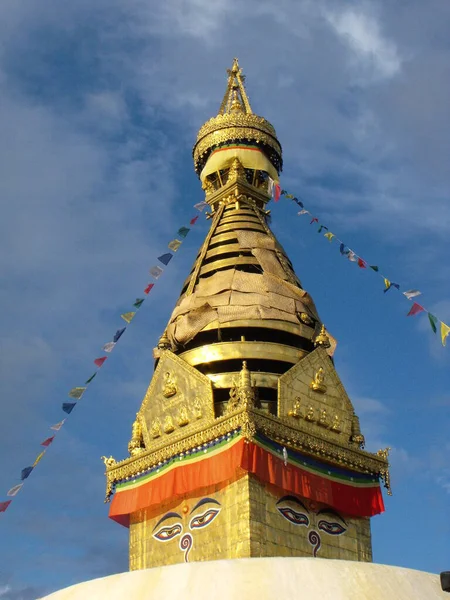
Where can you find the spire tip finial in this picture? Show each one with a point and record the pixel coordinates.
(235, 98)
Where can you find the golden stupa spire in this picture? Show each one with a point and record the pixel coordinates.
(245, 431)
(235, 97)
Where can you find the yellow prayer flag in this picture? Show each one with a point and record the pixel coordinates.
(387, 283)
(174, 245)
(128, 317)
(329, 235)
(445, 330)
(39, 458)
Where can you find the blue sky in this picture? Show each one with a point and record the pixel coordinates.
(99, 107)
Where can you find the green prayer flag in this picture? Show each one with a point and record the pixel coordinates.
(138, 302)
(374, 268)
(433, 322)
(90, 378)
(183, 231)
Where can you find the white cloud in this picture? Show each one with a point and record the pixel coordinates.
(4, 590)
(362, 33)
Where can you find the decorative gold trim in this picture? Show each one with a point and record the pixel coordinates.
(227, 132)
(300, 329)
(251, 420)
(244, 225)
(245, 350)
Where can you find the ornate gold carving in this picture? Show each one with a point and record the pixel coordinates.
(183, 416)
(194, 394)
(155, 428)
(322, 339)
(236, 171)
(323, 418)
(168, 424)
(296, 409)
(305, 318)
(310, 415)
(169, 389)
(109, 462)
(299, 438)
(242, 394)
(356, 435)
(384, 453)
(336, 424)
(136, 444)
(198, 412)
(317, 384)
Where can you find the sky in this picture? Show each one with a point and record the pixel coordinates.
(100, 103)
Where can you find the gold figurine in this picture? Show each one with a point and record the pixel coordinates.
(198, 409)
(168, 424)
(317, 384)
(336, 424)
(295, 412)
(169, 389)
(155, 429)
(323, 419)
(310, 414)
(183, 416)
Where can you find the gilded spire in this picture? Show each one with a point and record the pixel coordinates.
(235, 98)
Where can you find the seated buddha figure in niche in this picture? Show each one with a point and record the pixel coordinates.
(169, 387)
(317, 384)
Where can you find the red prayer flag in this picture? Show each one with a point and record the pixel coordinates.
(99, 361)
(361, 263)
(48, 441)
(4, 505)
(276, 192)
(314, 220)
(194, 220)
(148, 288)
(415, 310)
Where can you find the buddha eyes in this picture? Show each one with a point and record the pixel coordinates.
(293, 516)
(204, 519)
(331, 528)
(168, 533)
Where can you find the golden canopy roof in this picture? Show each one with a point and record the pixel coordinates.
(236, 123)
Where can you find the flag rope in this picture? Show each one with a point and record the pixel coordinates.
(345, 250)
(77, 393)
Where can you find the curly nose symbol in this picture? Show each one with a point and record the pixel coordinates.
(186, 543)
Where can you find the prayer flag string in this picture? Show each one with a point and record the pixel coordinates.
(415, 309)
(77, 393)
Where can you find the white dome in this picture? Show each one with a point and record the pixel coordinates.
(262, 579)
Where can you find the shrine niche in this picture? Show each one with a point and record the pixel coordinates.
(178, 398)
(312, 392)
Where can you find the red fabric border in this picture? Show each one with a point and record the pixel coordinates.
(233, 463)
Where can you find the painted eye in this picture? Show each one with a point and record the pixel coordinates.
(165, 534)
(331, 528)
(204, 519)
(293, 516)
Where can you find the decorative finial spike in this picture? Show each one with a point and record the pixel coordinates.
(235, 96)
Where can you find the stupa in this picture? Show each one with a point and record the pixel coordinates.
(246, 450)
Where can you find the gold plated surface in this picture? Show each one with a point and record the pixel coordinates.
(246, 520)
(231, 350)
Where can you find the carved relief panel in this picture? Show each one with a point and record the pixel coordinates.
(177, 401)
(311, 392)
